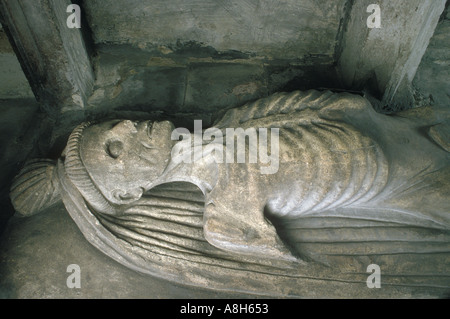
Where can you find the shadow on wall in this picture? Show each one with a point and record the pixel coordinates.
(19, 127)
(195, 79)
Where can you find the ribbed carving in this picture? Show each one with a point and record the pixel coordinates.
(79, 176)
(35, 188)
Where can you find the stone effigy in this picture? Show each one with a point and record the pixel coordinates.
(330, 187)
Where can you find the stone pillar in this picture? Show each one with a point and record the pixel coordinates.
(385, 59)
(53, 56)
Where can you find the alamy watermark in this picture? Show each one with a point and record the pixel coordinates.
(74, 279)
(374, 280)
(209, 145)
(374, 20)
(74, 19)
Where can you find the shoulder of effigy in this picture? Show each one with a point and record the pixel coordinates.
(325, 103)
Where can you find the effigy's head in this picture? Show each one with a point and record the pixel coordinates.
(112, 162)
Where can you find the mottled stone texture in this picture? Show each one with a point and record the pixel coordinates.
(186, 60)
(14, 83)
(54, 57)
(199, 57)
(385, 60)
(350, 188)
(195, 81)
(20, 129)
(432, 81)
(276, 29)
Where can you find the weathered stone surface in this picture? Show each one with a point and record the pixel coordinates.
(432, 80)
(287, 29)
(223, 84)
(170, 78)
(36, 251)
(36, 189)
(54, 57)
(385, 59)
(196, 82)
(345, 195)
(14, 82)
(20, 130)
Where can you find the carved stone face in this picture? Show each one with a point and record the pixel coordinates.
(122, 157)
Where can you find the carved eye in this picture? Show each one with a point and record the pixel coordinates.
(114, 148)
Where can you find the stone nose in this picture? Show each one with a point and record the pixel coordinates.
(125, 127)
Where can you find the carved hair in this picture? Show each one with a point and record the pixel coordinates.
(79, 176)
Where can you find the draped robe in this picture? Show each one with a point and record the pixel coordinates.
(375, 190)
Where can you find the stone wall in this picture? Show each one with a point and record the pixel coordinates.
(199, 57)
(13, 81)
